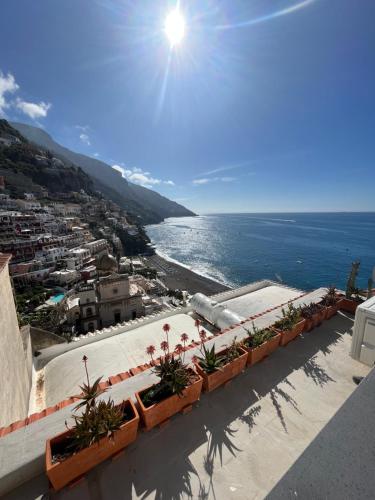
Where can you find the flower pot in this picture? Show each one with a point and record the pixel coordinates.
(331, 311)
(289, 335)
(348, 305)
(64, 472)
(159, 412)
(219, 377)
(256, 354)
(309, 324)
(318, 318)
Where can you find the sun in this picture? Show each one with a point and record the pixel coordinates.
(174, 27)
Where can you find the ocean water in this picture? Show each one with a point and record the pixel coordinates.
(302, 250)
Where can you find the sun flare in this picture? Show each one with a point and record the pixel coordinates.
(174, 27)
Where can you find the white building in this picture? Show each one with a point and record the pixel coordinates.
(66, 277)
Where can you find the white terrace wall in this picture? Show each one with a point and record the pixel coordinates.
(15, 358)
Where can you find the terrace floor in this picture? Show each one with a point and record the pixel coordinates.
(239, 440)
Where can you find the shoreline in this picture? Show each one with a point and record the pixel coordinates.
(178, 276)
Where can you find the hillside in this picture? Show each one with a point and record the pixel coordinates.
(149, 205)
(28, 168)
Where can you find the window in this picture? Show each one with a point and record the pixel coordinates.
(115, 291)
(91, 327)
(89, 311)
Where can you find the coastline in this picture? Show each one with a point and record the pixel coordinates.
(178, 276)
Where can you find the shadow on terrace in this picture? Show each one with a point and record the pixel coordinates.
(181, 459)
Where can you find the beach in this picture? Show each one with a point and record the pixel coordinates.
(179, 277)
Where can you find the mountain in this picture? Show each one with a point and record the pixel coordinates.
(28, 168)
(148, 205)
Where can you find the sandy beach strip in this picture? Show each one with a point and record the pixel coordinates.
(179, 277)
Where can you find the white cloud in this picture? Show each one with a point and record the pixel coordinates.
(32, 109)
(7, 85)
(201, 181)
(224, 168)
(96, 155)
(206, 180)
(85, 139)
(138, 176)
(84, 135)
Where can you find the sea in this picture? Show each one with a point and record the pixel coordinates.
(302, 250)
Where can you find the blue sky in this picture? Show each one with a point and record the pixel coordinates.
(265, 105)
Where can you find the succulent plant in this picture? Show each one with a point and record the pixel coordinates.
(210, 361)
(258, 336)
(289, 319)
(331, 297)
(99, 418)
(174, 375)
(233, 351)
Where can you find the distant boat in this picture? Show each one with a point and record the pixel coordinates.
(299, 261)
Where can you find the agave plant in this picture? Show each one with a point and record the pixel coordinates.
(210, 361)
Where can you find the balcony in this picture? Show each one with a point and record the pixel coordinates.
(238, 441)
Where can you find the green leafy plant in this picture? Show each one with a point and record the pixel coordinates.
(331, 297)
(257, 336)
(174, 374)
(233, 351)
(307, 311)
(290, 317)
(99, 418)
(351, 288)
(210, 361)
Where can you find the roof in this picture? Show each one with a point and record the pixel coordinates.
(259, 300)
(63, 375)
(4, 260)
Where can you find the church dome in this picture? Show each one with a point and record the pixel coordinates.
(107, 264)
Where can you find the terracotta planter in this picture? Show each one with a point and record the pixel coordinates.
(349, 305)
(215, 379)
(309, 324)
(331, 311)
(289, 335)
(159, 412)
(256, 354)
(62, 473)
(318, 318)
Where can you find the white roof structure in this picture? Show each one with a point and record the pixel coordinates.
(64, 374)
(260, 300)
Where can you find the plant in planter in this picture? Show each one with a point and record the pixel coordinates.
(331, 302)
(100, 430)
(218, 368)
(353, 297)
(307, 313)
(260, 343)
(313, 314)
(179, 387)
(290, 325)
